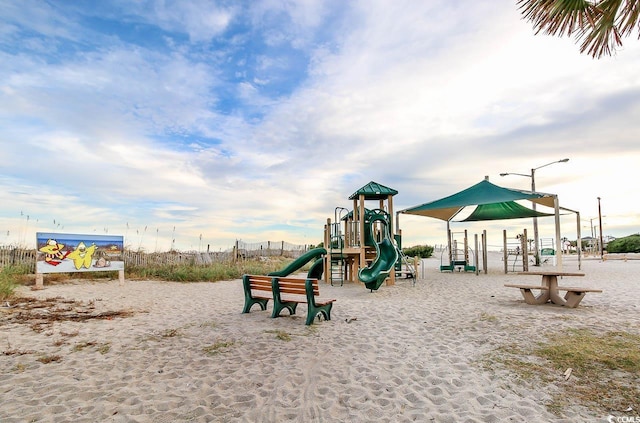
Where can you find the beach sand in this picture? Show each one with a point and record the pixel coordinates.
(184, 351)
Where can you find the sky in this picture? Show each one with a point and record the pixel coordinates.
(193, 124)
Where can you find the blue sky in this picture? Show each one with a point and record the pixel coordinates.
(211, 121)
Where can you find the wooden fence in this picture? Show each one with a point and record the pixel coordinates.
(15, 256)
(12, 256)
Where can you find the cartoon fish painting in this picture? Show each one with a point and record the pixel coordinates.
(54, 252)
(82, 255)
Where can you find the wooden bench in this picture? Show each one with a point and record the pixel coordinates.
(257, 290)
(571, 299)
(299, 291)
(286, 293)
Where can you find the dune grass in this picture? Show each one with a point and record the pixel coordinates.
(9, 280)
(604, 369)
(13, 276)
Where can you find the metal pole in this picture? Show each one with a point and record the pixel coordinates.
(601, 240)
(579, 241)
(535, 218)
(536, 243)
(556, 207)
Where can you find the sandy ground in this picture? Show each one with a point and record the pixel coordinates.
(173, 352)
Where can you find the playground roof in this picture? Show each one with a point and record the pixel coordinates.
(373, 191)
(494, 203)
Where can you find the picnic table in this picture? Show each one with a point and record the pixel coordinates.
(549, 289)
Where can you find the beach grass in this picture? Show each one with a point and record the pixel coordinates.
(8, 280)
(596, 370)
(217, 347)
(605, 367)
(13, 276)
(281, 335)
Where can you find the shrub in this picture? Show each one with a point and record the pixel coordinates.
(422, 251)
(628, 244)
(8, 280)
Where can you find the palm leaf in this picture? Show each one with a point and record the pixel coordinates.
(599, 25)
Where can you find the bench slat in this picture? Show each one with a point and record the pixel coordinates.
(297, 286)
(260, 284)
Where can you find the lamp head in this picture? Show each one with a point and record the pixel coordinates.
(563, 161)
(503, 174)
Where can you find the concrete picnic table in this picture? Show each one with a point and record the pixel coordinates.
(550, 290)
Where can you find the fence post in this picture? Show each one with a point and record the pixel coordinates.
(505, 254)
(281, 248)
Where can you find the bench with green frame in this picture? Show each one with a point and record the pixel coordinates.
(286, 293)
(257, 290)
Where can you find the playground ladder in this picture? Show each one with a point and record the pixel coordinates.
(337, 271)
(336, 246)
(404, 259)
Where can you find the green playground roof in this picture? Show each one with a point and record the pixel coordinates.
(373, 191)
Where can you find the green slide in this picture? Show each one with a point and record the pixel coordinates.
(316, 268)
(386, 258)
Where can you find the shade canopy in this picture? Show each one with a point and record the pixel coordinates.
(494, 203)
(501, 211)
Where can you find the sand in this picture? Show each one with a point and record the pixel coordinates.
(404, 353)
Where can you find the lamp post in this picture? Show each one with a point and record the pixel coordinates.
(533, 189)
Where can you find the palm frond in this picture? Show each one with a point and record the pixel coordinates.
(629, 17)
(603, 37)
(558, 17)
(598, 24)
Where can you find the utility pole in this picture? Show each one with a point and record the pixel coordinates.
(601, 238)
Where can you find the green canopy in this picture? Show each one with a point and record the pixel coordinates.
(501, 211)
(484, 193)
(494, 203)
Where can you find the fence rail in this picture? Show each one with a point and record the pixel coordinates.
(16, 256)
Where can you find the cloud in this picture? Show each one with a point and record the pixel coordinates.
(256, 119)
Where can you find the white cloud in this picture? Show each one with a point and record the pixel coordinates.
(426, 98)
(201, 19)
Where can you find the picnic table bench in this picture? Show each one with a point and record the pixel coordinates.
(550, 290)
(286, 293)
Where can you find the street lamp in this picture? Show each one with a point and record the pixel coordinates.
(533, 189)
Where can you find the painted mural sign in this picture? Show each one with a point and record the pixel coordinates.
(66, 253)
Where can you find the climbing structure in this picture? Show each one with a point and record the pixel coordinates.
(358, 241)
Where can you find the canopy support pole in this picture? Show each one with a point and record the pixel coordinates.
(556, 207)
(578, 234)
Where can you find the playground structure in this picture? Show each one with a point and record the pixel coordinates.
(517, 255)
(361, 243)
(462, 259)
